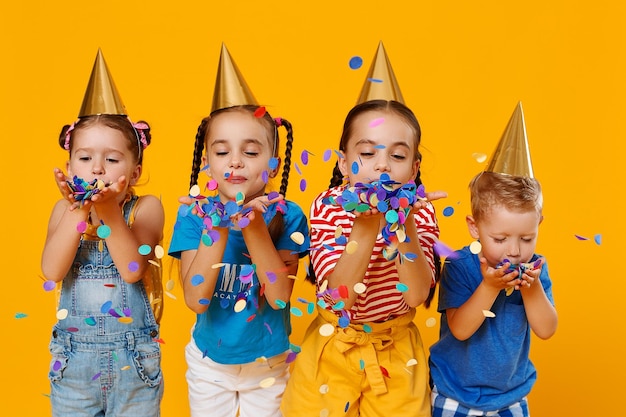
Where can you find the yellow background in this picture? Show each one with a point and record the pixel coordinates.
(462, 67)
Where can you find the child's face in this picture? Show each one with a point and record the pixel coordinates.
(238, 152)
(505, 234)
(101, 152)
(381, 142)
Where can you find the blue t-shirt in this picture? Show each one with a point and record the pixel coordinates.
(221, 333)
(490, 370)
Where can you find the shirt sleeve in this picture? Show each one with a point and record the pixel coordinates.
(187, 232)
(295, 221)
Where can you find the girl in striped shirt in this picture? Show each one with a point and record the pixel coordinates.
(363, 355)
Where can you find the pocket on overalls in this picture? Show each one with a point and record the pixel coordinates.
(147, 360)
(58, 363)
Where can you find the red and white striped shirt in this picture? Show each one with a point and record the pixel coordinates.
(381, 300)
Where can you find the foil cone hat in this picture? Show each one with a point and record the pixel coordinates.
(381, 83)
(101, 96)
(512, 155)
(230, 87)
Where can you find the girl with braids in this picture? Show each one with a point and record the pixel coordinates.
(106, 358)
(239, 284)
(363, 355)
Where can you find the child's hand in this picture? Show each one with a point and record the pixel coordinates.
(422, 203)
(530, 275)
(259, 205)
(61, 179)
(111, 191)
(497, 277)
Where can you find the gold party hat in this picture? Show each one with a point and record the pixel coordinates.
(381, 83)
(512, 155)
(230, 87)
(101, 96)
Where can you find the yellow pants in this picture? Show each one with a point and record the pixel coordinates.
(357, 372)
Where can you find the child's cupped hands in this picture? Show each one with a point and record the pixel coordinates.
(498, 278)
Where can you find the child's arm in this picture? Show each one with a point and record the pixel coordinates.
(62, 240)
(465, 320)
(540, 312)
(201, 262)
(267, 258)
(123, 242)
(416, 275)
(351, 267)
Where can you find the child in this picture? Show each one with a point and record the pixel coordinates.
(494, 292)
(236, 277)
(105, 357)
(363, 355)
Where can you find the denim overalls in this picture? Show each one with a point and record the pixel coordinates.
(105, 360)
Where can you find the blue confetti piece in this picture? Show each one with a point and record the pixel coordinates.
(204, 301)
(355, 168)
(273, 163)
(375, 80)
(355, 62)
(197, 280)
(448, 211)
(21, 315)
(598, 239)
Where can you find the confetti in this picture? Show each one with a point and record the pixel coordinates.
(144, 250)
(159, 252)
(304, 157)
(297, 237)
(194, 191)
(83, 190)
(81, 227)
(475, 247)
(327, 329)
(273, 163)
(402, 287)
(103, 231)
(448, 211)
(581, 237)
(359, 288)
(324, 389)
(267, 382)
(377, 122)
(327, 154)
(125, 368)
(355, 62)
(351, 247)
(431, 322)
(21, 315)
(598, 239)
(169, 285)
(479, 157)
(411, 362)
(444, 250)
(62, 314)
(240, 305)
(488, 313)
(49, 285)
(133, 266)
(197, 280)
(259, 112)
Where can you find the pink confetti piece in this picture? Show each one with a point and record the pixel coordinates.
(377, 122)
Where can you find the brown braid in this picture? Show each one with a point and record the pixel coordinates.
(337, 178)
(287, 162)
(277, 224)
(197, 152)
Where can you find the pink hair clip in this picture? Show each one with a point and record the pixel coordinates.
(66, 145)
(278, 121)
(139, 128)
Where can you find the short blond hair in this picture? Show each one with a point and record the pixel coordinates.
(491, 189)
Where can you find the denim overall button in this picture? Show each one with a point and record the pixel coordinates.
(54, 334)
(154, 333)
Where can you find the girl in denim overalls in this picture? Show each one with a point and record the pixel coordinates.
(105, 351)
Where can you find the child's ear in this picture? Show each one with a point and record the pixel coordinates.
(68, 169)
(273, 172)
(134, 176)
(204, 162)
(343, 164)
(472, 227)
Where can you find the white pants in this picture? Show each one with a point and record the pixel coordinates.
(219, 390)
